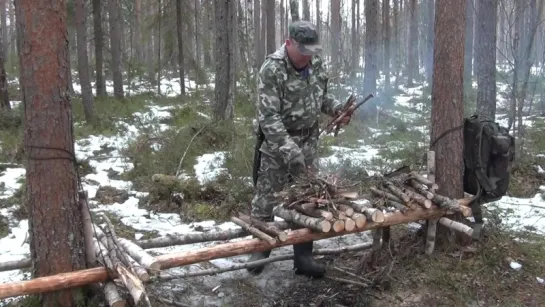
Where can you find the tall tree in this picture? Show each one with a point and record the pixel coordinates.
(271, 29)
(371, 44)
(386, 34)
(115, 46)
(4, 95)
(468, 60)
(99, 47)
(486, 54)
(179, 33)
(447, 96)
(223, 109)
(83, 62)
(412, 65)
(55, 221)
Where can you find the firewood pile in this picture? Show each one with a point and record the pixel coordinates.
(126, 263)
(330, 204)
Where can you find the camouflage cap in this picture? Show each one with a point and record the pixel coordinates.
(305, 35)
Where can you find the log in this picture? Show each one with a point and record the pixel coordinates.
(374, 215)
(432, 224)
(112, 296)
(423, 180)
(349, 211)
(421, 200)
(455, 225)
(349, 223)
(302, 220)
(87, 228)
(229, 249)
(239, 266)
(141, 256)
(338, 225)
(359, 219)
(268, 229)
(256, 232)
(384, 194)
(397, 191)
(398, 206)
(132, 283)
(139, 270)
(420, 188)
(15, 264)
(358, 206)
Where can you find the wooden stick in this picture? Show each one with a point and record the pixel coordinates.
(374, 215)
(423, 180)
(256, 232)
(460, 227)
(420, 188)
(338, 225)
(384, 194)
(397, 191)
(141, 256)
(421, 200)
(112, 296)
(349, 211)
(270, 230)
(359, 219)
(432, 224)
(398, 206)
(87, 228)
(359, 207)
(229, 249)
(302, 220)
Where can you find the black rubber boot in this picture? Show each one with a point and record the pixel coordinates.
(303, 261)
(259, 256)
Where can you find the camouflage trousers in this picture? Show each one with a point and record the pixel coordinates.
(273, 175)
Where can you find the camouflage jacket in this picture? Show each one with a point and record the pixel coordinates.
(287, 101)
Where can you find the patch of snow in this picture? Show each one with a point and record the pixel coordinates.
(209, 166)
(540, 280)
(9, 180)
(515, 265)
(522, 213)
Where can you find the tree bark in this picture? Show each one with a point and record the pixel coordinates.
(55, 221)
(271, 28)
(412, 67)
(83, 62)
(447, 96)
(99, 48)
(468, 53)
(179, 34)
(223, 109)
(387, 41)
(4, 95)
(371, 41)
(115, 46)
(486, 53)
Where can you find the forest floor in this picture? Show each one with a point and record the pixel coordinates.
(150, 135)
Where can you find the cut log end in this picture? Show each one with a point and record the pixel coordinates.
(349, 224)
(326, 226)
(338, 226)
(359, 219)
(282, 236)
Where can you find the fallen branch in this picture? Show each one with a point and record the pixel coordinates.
(268, 229)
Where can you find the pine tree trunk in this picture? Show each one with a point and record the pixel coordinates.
(55, 221)
(4, 27)
(99, 48)
(257, 34)
(429, 43)
(412, 67)
(371, 42)
(486, 53)
(223, 104)
(447, 97)
(5, 105)
(115, 46)
(306, 10)
(179, 34)
(83, 62)
(468, 53)
(387, 40)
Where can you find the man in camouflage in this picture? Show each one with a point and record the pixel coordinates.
(292, 92)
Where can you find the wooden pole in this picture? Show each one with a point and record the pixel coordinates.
(432, 223)
(89, 276)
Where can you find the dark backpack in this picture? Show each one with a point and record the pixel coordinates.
(489, 153)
